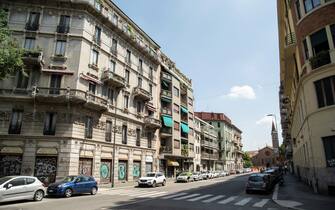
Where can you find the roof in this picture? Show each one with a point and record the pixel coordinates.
(211, 116)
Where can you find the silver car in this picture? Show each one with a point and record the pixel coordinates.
(14, 188)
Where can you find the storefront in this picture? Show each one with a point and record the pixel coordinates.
(10, 164)
(136, 170)
(148, 164)
(85, 166)
(122, 172)
(105, 171)
(46, 168)
(172, 168)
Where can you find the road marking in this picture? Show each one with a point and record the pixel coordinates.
(200, 197)
(214, 199)
(151, 195)
(186, 196)
(275, 193)
(225, 201)
(243, 202)
(261, 203)
(173, 196)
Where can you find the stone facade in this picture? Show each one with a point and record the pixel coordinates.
(264, 158)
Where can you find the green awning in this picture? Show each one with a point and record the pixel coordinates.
(167, 121)
(184, 110)
(184, 128)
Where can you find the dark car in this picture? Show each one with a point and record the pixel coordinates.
(275, 175)
(259, 182)
(71, 185)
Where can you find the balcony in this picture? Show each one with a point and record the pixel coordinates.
(321, 59)
(166, 132)
(207, 156)
(166, 111)
(184, 152)
(32, 26)
(142, 94)
(165, 150)
(183, 103)
(209, 144)
(95, 102)
(166, 76)
(32, 58)
(290, 39)
(166, 93)
(151, 122)
(63, 29)
(112, 79)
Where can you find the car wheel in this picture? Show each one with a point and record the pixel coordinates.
(164, 183)
(154, 184)
(39, 195)
(94, 191)
(248, 191)
(68, 193)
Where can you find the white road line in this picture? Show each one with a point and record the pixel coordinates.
(186, 196)
(275, 193)
(261, 203)
(151, 195)
(214, 199)
(225, 201)
(200, 197)
(173, 196)
(243, 202)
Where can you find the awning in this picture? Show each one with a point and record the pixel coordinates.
(184, 128)
(173, 163)
(167, 120)
(183, 110)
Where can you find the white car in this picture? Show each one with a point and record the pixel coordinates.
(152, 179)
(196, 176)
(13, 188)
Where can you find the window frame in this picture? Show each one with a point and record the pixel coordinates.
(108, 131)
(124, 134)
(31, 44)
(16, 127)
(50, 123)
(89, 127)
(60, 48)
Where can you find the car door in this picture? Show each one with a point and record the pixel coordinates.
(79, 185)
(17, 191)
(88, 184)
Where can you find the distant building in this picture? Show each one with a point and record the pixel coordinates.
(264, 157)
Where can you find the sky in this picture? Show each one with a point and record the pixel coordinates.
(229, 48)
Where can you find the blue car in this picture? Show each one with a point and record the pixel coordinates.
(71, 185)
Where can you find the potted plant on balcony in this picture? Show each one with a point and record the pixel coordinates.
(320, 59)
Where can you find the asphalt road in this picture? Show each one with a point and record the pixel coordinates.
(221, 193)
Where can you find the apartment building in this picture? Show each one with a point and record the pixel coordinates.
(307, 94)
(229, 140)
(177, 135)
(93, 82)
(209, 146)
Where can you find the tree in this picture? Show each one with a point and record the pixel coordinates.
(10, 52)
(247, 160)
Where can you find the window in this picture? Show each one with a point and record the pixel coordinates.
(29, 43)
(88, 127)
(55, 83)
(97, 35)
(60, 48)
(176, 126)
(33, 21)
(115, 19)
(128, 57)
(191, 132)
(329, 147)
(311, 4)
(138, 137)
(140, 65)
(319, 42)
(332, 28)
(15, 122)
(297, 7)
(124, 134)
(127, 75)
(176, 144)
(18, 182)
(108, 135)
(114, 46)
(92, 87)
(126, 102)
(150, 137)
(190, 116)
(176, 91)
(97, 5)
(219, 124)
(306, 54)
(112, 65)
(175, 108)
(139, 106)
(139, 82)
(64, 24)
(50, 123)
(150, 89)
(94, 57)
(190, 101)
(151, 73)
(22, 80)
(191, 148)
(30, 180)
(325, 91)
(110, 95)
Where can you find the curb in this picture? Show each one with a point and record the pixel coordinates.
(275, 199)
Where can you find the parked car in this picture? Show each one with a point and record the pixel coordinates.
(71, 185)
(196, 176)
(247, 170)
(223, 173)
(13, 188)
(205, 175)
(275, 175)
(216, 174)
(239, 171)
(232, 171)
(259, 182)
(185, 177)
(152, 179)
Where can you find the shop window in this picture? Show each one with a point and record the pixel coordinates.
(329, 147)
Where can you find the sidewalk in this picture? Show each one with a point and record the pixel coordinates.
(119, 185)
(295, 191)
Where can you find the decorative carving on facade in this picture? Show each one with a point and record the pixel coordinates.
(131, 132)
(4, 116)
(117, 129)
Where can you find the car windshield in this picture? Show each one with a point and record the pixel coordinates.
(5, 179)
(256, 178)
(151, 174)
(183, 174)
(69, 179)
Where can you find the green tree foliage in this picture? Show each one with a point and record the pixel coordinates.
(247, 160)
(10, 52)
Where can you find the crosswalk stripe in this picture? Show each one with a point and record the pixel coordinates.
(173, 196)
(261, 203)
(213, 199)
(186, 196)
(225, 201)
(243, 202)
(199, 198)
(151, 194)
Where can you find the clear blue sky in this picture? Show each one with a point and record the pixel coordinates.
(229, 48)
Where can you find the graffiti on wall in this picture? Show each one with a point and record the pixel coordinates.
(136, 169)
(10, 165)
(122, 170)
(45, 169)
(85, 166)
(105, 171)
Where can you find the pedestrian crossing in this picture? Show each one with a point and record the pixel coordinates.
(240, 200)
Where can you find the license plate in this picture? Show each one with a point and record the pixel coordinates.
(50, 191)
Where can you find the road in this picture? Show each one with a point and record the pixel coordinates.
(225, 192)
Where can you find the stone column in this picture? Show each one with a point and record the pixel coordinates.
(116, 165)
(28, 158)
(143, 163)
(97, 163)
(130, 165)
(68, 158)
